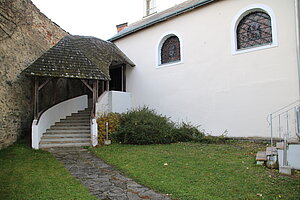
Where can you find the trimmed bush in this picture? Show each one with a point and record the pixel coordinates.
(209, 139)
(113, 120)
(187, 132)
(144, 126)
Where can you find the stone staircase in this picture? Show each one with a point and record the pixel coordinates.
(267, 157)
(284, 156)
(73, 131)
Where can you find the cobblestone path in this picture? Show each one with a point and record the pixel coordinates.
(101, 179)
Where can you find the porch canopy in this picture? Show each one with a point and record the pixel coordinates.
(77, 57)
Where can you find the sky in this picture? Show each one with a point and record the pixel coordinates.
(96, 18)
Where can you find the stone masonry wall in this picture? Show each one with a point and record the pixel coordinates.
(25, 34)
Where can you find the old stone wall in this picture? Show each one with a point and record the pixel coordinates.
(25, 34)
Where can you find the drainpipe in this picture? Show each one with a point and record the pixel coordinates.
(297, 41)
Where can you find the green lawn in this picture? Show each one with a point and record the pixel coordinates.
(29, 174)
(195, 171)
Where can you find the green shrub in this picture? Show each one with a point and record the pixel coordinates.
(144, 126)
(209, 139)
(113, 120)
(186, 133)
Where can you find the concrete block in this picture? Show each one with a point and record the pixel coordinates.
(286, 170)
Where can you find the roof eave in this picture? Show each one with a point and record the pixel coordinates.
(181, 11)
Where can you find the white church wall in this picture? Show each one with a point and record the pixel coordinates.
(213, 87)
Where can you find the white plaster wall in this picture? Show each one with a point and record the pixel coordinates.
(103, 104)
(113, 101)
(121, 101)
(54, 114)
(213, 87)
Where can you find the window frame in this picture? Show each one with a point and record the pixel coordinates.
(240, 15)
(159, 48)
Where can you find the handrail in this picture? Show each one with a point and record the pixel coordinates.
(290, 120)
(274, 116)
(285, 107)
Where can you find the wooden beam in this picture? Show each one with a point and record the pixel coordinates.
(87, 85)
(102, 86)
(107, 85)
(94, 98)
(97, 90)
(45, 83)
(36, 94)
(124, 78)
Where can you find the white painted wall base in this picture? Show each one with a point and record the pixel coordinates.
(94, 132)
(293, 157)
(54, 114)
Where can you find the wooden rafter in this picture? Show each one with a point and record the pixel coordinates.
(45, 83)
(87, 85)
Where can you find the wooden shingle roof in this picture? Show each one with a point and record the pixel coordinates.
(78, 57)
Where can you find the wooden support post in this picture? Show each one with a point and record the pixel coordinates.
(97, 90)
(124, 78)
(102, 86)
(94, 98)
(107, 85)
(36, 98)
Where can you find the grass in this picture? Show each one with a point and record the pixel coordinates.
(33, 174)
(195, 171)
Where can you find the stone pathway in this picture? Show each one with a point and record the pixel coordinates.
(101, 179)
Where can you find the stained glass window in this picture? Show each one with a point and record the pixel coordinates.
(170, 50)
(254, 29)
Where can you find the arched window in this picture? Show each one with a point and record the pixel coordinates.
(170, 50)
(254, 29)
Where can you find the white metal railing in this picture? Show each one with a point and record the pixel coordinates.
(283, 122)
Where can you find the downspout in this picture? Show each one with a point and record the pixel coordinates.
(297, 42)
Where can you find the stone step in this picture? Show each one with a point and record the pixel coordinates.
(85, 111)
(64, 140)
(77, 118)
(280, 145)
(271, 151)
(72, 120)
(294, 140)
(69, 128)
(80, 114)
(261, 156)
(50, 131)
(72, 124)
(78, 135)
(45, 146)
